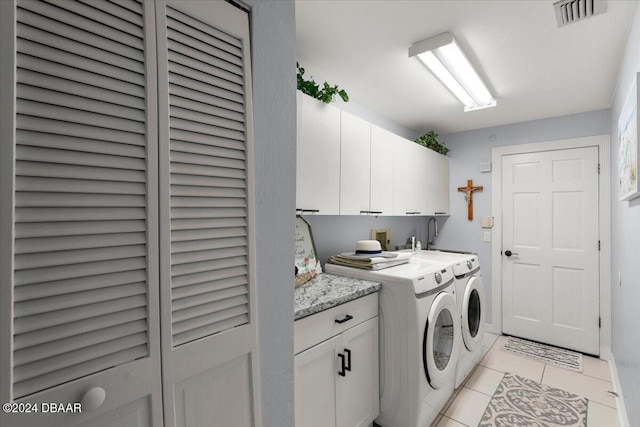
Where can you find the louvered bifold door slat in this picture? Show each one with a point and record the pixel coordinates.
(81, 255)
(208, 179)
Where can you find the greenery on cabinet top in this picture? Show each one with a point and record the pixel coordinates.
(430, 140)
(325, 94)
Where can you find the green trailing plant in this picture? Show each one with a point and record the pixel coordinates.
(325, 94)
(430, 140)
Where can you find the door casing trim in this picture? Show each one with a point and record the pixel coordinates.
(604, 200)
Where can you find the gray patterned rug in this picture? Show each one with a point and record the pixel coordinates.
(522, 402)
(545, 353)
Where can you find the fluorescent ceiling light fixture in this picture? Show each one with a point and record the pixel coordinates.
(443, 56)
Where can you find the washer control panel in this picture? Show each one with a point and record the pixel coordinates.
(465, 267)
(432, 280)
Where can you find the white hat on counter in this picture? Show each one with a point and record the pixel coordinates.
(369, 249)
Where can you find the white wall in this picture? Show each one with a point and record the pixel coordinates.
(469, 149)
(274, 104)
(625, 244)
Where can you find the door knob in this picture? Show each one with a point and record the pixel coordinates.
(93, 399)
(509, 253)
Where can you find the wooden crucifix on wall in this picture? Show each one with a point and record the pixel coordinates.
(469, 189)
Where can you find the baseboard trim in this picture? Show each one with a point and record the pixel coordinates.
(623, 419)
(488, 327)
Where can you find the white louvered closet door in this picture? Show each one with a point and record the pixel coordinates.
(207, 275)
(79, 285)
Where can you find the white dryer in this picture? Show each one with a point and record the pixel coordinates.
(419, 340)
(470, 302)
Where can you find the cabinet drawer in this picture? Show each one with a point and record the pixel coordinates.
(314, 329)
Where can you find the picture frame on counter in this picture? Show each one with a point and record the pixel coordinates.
(306, 262)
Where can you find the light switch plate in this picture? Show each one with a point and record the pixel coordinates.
(486, 237)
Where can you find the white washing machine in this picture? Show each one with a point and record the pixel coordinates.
(419, 340)
(470, 302)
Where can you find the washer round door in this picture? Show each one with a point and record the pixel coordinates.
(440, 345)
(473, 313)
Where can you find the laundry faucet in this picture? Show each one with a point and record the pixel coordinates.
(431, 241)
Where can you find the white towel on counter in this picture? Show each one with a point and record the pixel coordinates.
(371, 262)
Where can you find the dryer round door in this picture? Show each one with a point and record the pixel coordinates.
(440, 345)
(473, 313)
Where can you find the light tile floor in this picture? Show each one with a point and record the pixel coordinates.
(467, 405)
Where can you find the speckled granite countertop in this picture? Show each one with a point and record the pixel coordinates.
(328, 290)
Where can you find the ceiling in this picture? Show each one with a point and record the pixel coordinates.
(535, 69)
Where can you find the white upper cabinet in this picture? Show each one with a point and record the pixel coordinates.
(366, 168)
(318, 157)
(355, 166)
(420, 180)
(381, 171)
(437, 181)
(347, 166)
(409, 174)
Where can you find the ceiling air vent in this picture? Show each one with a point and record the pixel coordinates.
(570, 11)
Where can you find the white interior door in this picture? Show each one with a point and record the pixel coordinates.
(79, 290)
(550, 260)
(206, 215)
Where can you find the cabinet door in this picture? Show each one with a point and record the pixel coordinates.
(318, 157)
(437, 181)
(355, 166)
(315, 374)
(420, 185)
(78, 237)
(381, 171)
(358, 399)
(408, 178)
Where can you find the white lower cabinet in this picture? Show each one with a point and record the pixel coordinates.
(336, 380)
(357, 392)
(315, 385)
